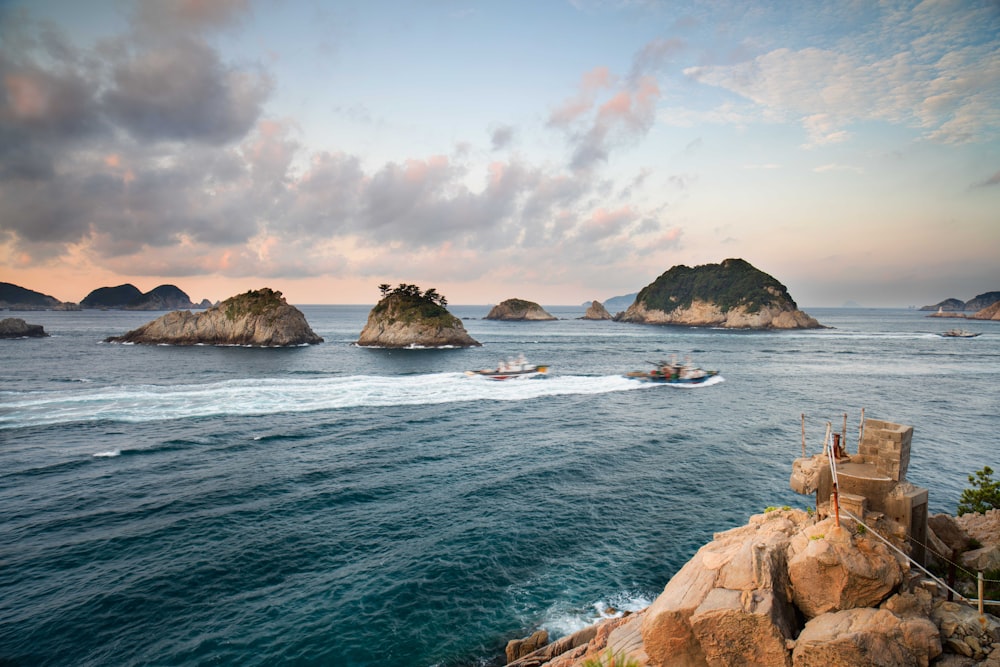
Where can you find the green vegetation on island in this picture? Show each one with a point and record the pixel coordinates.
(983, 494)
(730, 284)
(408, 303)
(252, 303)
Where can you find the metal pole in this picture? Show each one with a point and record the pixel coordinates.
(803, 435)
(843, 434)
(980, 593)
(861, 430)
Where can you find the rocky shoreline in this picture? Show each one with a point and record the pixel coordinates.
(790, 589)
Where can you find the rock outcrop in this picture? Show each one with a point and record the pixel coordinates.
(260, 318)
(518, 310)
(403, 320)
(987, 313)
(788, 590)
(731, 295)
(15, 327)
(596, 311)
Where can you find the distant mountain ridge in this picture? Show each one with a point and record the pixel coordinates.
(15, 297)
(129, 297)
(953, 305)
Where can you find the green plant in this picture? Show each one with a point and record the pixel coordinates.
(769, 508)
(862, 529)
(610, 659)
(810, 511)
(983, 495)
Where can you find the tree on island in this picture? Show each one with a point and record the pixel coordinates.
(414, 292)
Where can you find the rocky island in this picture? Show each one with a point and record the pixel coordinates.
(260, 318)
(409, 317)
(518, 310)
(15, 327)
(596, 311)
(731, 295)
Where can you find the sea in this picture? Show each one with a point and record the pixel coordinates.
(337, 505)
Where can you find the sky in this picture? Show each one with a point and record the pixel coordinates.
(558, 151)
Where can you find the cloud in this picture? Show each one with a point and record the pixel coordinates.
(501, 137)
(932, 67)
(992, 181)
(184, 92)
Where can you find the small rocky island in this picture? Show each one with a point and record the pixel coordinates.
(730, 295)
(518, 310)
(407, 317)
(596, 311)
(15, 327)
(259, 318)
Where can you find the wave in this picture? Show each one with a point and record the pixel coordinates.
(264, 396)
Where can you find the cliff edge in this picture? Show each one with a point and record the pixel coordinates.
(731, 295)
(408, 317)
(260, 318)
(517, 310)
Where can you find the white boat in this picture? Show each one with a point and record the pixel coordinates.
(959, 333)
(510, 369)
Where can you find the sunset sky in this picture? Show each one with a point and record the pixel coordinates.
(557, 151)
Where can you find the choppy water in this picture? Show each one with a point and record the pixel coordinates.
(332, 505)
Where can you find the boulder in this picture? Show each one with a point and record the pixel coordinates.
(518, 310)
(259, 318)
(947, 529)
(518, 648)
(15, 327)
(402, 320)
(596, 311)
(866, 636)
(983, 527)
(730, 602)
(833, 570)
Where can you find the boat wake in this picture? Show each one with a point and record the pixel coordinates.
(145, 403)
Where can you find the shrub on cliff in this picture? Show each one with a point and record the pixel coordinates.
(982, 496)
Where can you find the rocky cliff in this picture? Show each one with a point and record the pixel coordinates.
(518, 310)
(405, 319)
(731, 295)
(260, 318)
(788, 590)
(987, 313)
(15, 327)
(596, 311)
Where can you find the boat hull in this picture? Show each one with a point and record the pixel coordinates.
(509, 375)
(658, 378)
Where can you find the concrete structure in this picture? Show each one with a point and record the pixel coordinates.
(872, 484)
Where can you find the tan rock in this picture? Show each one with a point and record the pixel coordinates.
(834, 573)
(518, 309)
(858, 637)
(260, 318)
(597, 311)
(518, 648)
(949, 531)
(742, 628)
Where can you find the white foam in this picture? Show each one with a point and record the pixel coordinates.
(108, 454)
(564, 622)
(142, 403)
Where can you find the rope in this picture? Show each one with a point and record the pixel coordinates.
(919, 566)
(958, 566)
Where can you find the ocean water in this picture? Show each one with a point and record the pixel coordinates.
(333, 505)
